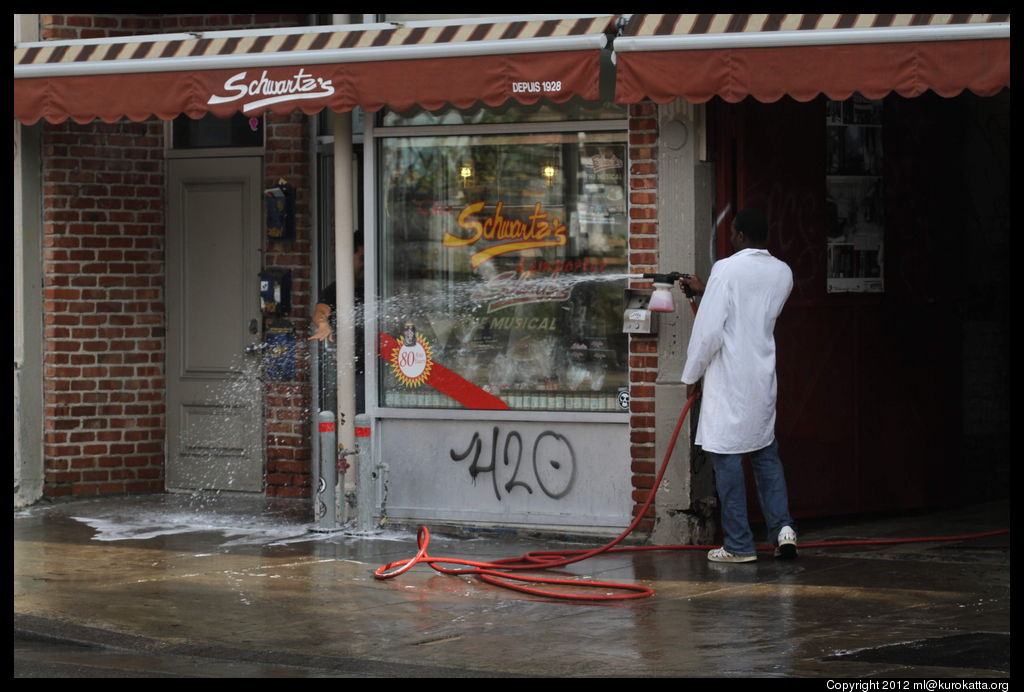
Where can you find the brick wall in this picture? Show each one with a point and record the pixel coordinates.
(288, 403)
(643, 258)
(73, 26)
(59, 27)
(103, 225)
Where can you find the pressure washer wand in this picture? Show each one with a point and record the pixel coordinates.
(662, 284)
(674, 277)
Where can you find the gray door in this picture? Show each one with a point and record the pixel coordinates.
(214, 397)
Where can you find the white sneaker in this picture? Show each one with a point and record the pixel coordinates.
(723, 555)
(786, 543)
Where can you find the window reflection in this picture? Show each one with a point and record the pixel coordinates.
(505, 256)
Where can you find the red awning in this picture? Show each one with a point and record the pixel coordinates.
(699, 56)
(429, 64)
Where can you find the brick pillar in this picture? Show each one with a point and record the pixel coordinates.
(288, 403)
(103, 234)
(643, 258)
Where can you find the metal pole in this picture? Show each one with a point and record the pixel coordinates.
(367, 499)
(345, 276)
(344, 273)
(327, 491)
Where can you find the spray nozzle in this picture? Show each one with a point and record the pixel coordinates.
(669, 278)
(661, 300)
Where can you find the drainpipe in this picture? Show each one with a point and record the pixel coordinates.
(345, 279)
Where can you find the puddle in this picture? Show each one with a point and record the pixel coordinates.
(976, 650)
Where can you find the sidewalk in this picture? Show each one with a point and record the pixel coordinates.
(239, 587)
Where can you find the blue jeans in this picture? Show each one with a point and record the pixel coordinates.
(732, 493)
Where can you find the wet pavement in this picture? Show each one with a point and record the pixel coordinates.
(179, 586)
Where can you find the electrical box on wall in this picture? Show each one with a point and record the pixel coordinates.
(637, 317)
(281, 211)
(279, 356)
(275, 291)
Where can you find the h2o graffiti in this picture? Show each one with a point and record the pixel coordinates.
(553, 459)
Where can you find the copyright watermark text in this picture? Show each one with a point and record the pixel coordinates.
(914, 685)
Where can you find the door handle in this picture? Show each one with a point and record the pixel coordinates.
(253, 349)
(254, 326)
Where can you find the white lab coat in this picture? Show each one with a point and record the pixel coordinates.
(732, 347)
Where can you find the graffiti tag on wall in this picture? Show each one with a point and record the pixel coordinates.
(551, 467)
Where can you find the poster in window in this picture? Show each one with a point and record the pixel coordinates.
(854, 202)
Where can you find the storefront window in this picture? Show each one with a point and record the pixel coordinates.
(502, 262)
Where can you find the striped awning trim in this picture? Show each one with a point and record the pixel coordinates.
(649, 25)
(312, 45)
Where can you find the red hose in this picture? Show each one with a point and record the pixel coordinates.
(498, 573)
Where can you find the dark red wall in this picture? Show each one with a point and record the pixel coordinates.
(878, 393)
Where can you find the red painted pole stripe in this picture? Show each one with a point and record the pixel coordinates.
(448, 383)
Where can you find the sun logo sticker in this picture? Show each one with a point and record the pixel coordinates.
(410, 360)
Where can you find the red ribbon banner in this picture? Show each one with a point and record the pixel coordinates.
(448, 383)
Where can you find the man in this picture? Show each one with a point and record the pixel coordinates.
(733, 348)
(326, 303)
